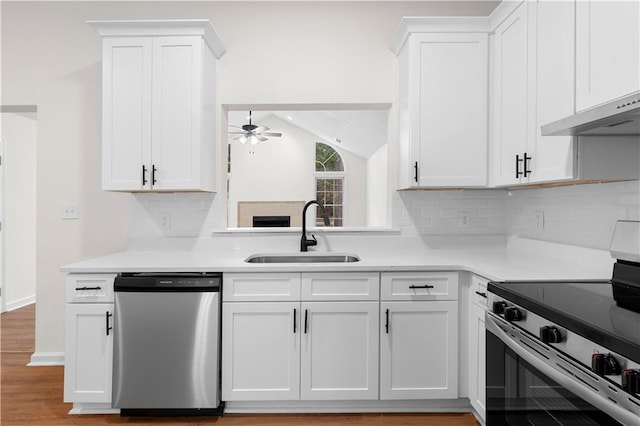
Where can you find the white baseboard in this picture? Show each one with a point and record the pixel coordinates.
(93, 408)
(39, 359)
(20, 303)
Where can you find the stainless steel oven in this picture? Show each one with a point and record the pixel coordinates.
(565, 352)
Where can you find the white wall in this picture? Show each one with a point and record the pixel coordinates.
(280, 169)
(378, 188)
(19, 134)
(278, 52)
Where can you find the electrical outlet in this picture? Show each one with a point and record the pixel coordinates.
(539, 220)
(69, 211)
(165, 221)
(465, 219)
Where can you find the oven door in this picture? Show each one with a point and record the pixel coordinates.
(529, 383)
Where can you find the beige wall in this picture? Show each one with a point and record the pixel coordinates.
(19, 135)
(277, 52)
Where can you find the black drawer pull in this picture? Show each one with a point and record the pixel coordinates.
(518, 161)
(527, 158)
(386, 324)
(306, 312)
(144, 175)
(294, 320)
(108, 315)
(415, 176)
(421, 286)
(479, 293)
(88, 288)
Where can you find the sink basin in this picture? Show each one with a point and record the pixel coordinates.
(303, 258)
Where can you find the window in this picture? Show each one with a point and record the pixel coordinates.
(330, 177)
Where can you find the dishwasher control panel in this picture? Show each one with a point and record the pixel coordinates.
(168, 282)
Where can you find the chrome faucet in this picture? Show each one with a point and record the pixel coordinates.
(305, 242)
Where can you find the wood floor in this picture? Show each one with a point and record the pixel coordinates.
(33, 395)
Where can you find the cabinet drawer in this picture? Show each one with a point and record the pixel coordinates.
(260, 287)
(419, 286)
(479, 291)
(341, 286)
(89, 288)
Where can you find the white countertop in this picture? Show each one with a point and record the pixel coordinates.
(495, 258)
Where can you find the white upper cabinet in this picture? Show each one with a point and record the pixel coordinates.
(443, 92)
(607, 51)
(510, 97)
(551, 56)
(159, 105)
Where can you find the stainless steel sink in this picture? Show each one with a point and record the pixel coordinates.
(303, 258)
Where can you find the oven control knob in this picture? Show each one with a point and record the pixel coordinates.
(604, 364)
(499, 307)
(631, 381)
(512, 314)
(550, 334)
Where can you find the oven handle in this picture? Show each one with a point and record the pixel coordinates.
(622, 415)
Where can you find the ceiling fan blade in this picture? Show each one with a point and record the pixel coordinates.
(261, 138)
(233, 125)
(261, 129)
(236, 133)
(275, 135)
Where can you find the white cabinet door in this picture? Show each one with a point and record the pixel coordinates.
(159, 121)
(177, 105)
(419, 350)
(88, 352)
(260, 351)
(126, 113)
(477, 367)
(339, 351)
(448, 105)
(552, 59)
(607, 50)
(510, 98)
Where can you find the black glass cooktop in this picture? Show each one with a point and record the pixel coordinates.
(584, 307)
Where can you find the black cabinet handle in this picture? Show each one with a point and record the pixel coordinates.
(153, 174)
(88, 288)
(294, 320)
(526, 165)
(107, 316)
(479, 293)
(306, 312)
(421, 286)
(144, 175)
(386, 324)
(518, 160)
(415, 176)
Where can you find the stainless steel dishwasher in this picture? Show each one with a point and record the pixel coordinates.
(167, 344)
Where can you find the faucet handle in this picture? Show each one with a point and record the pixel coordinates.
(312, 241)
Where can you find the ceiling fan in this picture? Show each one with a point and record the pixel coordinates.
(252, 133)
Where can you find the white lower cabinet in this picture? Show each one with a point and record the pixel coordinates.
(419, 350)
(477, 342)
(339, 351)
(88, 340)
(260, 351)
(88, 353)
(300, 349)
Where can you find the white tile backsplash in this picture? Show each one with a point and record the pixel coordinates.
(581, 215)
(439, 212)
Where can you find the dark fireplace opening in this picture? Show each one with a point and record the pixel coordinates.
(271, 221)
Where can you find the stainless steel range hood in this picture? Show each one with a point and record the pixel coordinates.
(617, 118)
